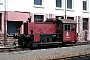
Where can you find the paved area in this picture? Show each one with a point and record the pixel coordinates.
(34, 54)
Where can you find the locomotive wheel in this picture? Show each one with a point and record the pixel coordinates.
(21, 41)
(30, 45)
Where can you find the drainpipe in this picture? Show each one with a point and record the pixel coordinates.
(5, 23)
(65, 9)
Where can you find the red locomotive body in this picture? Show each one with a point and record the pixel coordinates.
(49, 32)
(41, 28)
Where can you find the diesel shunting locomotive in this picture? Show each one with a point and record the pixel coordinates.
(52, 31)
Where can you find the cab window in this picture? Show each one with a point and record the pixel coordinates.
(59, 27)
(67, 27)
(72, 27)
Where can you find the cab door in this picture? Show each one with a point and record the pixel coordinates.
(67, 33)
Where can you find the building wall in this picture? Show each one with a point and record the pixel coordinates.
(48, 7)
(2, 5)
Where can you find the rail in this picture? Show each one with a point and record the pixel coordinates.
(80, 57)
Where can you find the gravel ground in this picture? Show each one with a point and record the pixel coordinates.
(44, 53)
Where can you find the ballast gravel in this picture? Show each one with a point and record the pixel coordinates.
(30, 54)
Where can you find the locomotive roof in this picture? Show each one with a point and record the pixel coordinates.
(67, 21)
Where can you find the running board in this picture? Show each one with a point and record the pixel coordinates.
(50, 43)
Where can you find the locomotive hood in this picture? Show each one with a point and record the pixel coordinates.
(51, 20)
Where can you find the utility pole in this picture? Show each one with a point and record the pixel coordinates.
(65, 9)
(5, 23)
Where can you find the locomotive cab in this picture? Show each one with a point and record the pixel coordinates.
(67, 30)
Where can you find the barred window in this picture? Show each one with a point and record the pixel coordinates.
(85, 23)
(38, 18)
(72, 18)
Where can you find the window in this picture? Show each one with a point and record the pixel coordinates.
(59, 27)
(1, 3)
(85, 23)
(69, 4)
(0, 21)
(72, 27)
(37, 2)
(67, 27)
(38, 18)
(84, 5)
(58, 3)
(72, 18)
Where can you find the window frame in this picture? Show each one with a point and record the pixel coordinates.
(0, 21)
(62, 5)
(67, 27)
(84, 24)
(42, 16)
(87, 6)
(39, 6)
(70, 9)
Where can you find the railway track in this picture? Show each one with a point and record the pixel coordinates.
(79, 43)
(61, 53)
(46, 47)
(79, 57)
(13, 49)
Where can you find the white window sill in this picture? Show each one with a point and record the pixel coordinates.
(70, 10)
(57, 8)
(38, 6)
(85, 11)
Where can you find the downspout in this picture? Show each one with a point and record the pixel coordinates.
(5, 23)
(65, 10)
